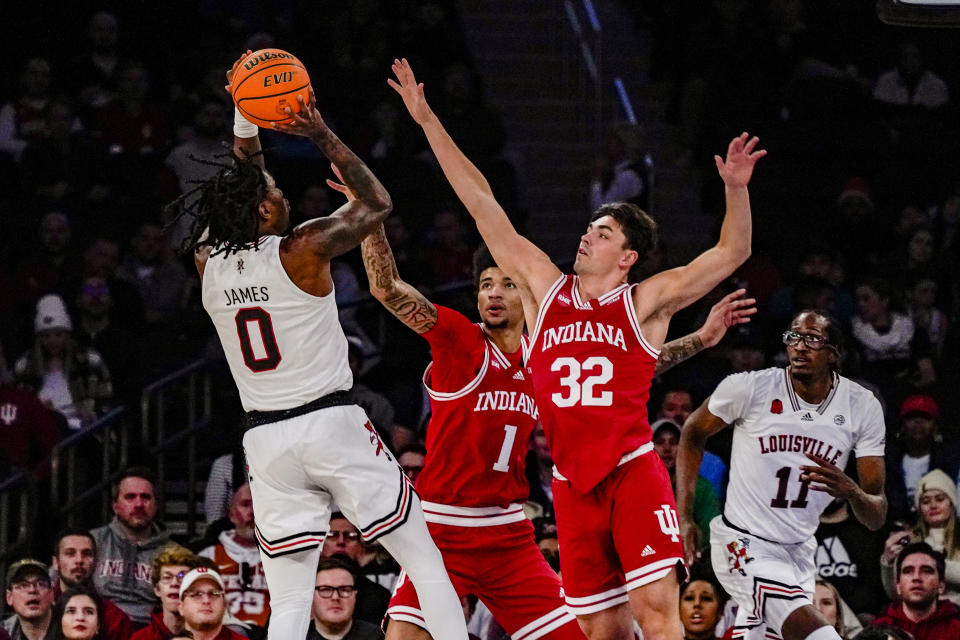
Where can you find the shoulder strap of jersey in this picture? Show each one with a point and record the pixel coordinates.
(560, 283)
(442, 396)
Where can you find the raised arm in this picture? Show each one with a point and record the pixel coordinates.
(693, 440)
(521, 259)
(730, 311)
(399, 297)
(347, 226)
(672, 290)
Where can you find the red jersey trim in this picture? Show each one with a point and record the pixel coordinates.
(544, 304)
(504, 361)
(575, 292)
(613, 293)
(635, 323)
(472, 516)
(441, 396)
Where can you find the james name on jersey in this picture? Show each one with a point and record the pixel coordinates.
(246, 295)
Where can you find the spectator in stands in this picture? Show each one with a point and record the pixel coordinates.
(23, 120)
(69, 378)
(936, 500)
(545, 533)
(226, 472)
(883, 632)
(449, 256)
(539, 470)
(343, 541)
(706, 505)
(30, 596)
(888, 344)
(117, 340)
(334, 600)
(701, 605)
(921, 296)
(169, 567)
(909, 83)
(49, 264)
(78, 615)
(94, 74)
(411, 459)
(203, 606)
(619, 175)
(918, 449)
(160, 278)
(238, 560)
(62, 168)
(101, 257)
(375, 404)
(847, 555)
(74, 557)
(919, 608)
(676, 406)
(126, 546)
(314, 202)
(29, 429)
(130, 125)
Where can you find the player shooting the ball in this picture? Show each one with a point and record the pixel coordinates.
(269, 291)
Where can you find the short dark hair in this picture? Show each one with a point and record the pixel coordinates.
(482, 260)
(702, 570)
(338, 561)
(73, 531)
(926, 549)
(413, 447)
(133, 472)
(638, 227)
(883, 632)
(831, 331)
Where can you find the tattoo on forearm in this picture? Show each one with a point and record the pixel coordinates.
(676, 351)
(413, 310)
(403, 301)
(355, 173)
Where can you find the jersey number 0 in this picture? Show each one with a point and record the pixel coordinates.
(257, 341)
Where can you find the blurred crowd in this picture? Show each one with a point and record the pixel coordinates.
(856, 212)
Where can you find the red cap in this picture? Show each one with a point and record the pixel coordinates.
(920, 403)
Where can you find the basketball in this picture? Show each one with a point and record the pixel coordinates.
(266, 82)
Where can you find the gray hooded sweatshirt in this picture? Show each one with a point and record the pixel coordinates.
(124, 569)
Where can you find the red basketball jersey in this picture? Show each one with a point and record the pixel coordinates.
(483, 414)
(592, 370)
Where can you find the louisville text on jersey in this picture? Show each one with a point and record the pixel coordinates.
(584, 332)
(799, 444)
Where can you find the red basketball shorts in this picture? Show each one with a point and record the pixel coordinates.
(620, 535)
(503, 567)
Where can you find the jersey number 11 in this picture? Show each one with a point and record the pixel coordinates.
(781, 502)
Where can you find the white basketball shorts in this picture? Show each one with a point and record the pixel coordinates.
(767, 580)
(298, 466)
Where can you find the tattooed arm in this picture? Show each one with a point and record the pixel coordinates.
(343, 229)
(730, 311)
(399, 297)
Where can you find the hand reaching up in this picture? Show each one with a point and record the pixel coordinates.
(737, 169)
(411, 92)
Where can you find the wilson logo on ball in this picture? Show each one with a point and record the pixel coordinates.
(268, 81)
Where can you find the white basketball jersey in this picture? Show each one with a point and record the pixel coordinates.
(773, 428)
(284, 346)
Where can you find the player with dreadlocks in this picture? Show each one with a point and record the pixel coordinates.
(270, 295)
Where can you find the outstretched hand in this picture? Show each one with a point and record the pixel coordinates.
(411, 92)
(307, 122)
(729, 312)
(232, 70)
(828, 477)
(737, 169)
(340, 186)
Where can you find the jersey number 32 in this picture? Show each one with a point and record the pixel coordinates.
(582, 381)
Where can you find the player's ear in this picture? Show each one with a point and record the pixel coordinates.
(629, 258)
(263, 211)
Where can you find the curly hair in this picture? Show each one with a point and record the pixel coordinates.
(224, 205)
(173, 555)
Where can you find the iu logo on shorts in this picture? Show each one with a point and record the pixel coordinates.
(669, 524)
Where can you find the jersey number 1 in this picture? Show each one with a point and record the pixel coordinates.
(267, 354)
(781, 502)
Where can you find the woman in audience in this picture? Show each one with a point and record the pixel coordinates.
(701, 605)
(77, 615)
(936, 500)
(827, 600)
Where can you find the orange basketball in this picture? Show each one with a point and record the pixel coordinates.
(265, 82)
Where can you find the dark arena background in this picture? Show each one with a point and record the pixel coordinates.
(106, 108)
